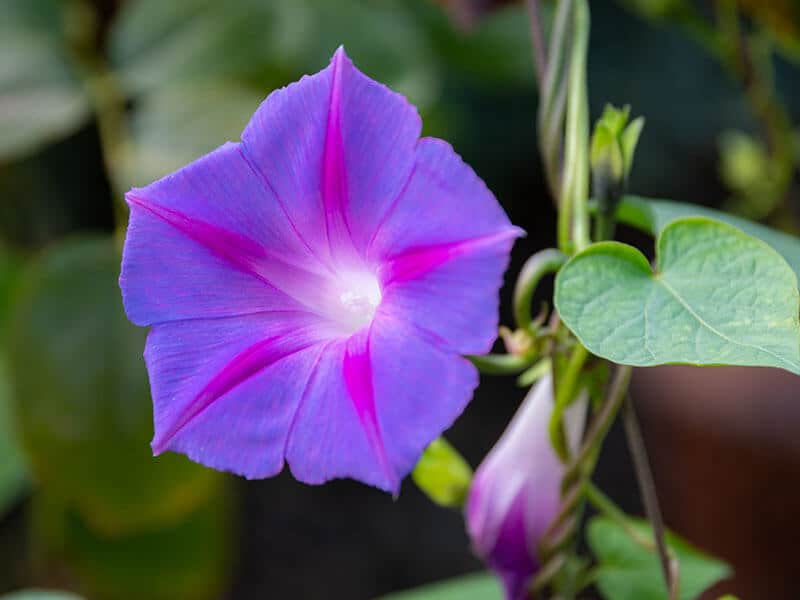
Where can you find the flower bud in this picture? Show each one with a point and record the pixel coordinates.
(516, 491)
(613, 144)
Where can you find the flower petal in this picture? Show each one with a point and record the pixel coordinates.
(210, 241)
(420, 390)
(376, 401)
(516, 491)
(226, 390)
(443, 202)
(450, 292)
(335, 432)
(445, 244)
(337, 149)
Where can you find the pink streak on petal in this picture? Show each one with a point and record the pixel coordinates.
(233, 247)
(334, 177)
(242, 252)
(379, 132)
(327, 439)
(357, 372)
(244, 365)
(419, 388)
(419, 261)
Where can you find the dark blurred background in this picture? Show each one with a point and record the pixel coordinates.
(98, 96)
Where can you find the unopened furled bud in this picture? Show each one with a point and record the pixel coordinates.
(516, 491)
(613, 145)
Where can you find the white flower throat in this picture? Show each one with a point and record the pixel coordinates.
(359, 298)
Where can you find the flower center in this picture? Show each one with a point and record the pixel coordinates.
(359, 297)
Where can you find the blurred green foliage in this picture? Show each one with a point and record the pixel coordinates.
(82, 395)
(629, 570)
(131, 525)
(39, 595)
(469, 587)
(443, 474)
(41, 95)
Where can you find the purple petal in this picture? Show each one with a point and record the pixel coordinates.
(516, 491)
(375, 403)
(311, 289)
(420, 389)
(443, 202)
(513, 559)
(335, 432)
(197, 246)
(450, 292)
(445, 243)
(225, 390)
(337, 149)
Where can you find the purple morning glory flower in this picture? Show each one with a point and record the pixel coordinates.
(312, 289)
(516, 491)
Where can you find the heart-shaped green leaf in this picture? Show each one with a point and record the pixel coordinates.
(654, 215)
(718, 296)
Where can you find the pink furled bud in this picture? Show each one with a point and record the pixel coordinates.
(515, 493)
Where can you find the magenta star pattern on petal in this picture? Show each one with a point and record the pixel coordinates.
(312, 289)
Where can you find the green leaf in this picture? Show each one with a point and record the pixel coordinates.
(482, 586)
(81, 393)
(718, 296)
(155, 43)
(41, 96)
(13, 470)
(443, 474)
(189, 559)
(39, 595)
(629, 571)
(179, 123)
(654, 215)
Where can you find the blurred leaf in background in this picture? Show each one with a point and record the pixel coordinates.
(629, 571)
(174, 125)
(480, 586)
(198, 69)
(81, 392)
(189, 559)
(39, 595)
(41, 96)
(754, 179)
(13, 471)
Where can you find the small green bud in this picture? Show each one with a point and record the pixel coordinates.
(443, 474)
(613, 146)
(614, 142)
